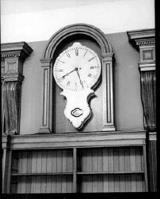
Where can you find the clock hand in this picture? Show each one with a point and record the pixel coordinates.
(79, 77)
(69, 72)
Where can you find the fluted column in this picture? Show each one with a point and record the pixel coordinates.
(148, 92)
(144, 41)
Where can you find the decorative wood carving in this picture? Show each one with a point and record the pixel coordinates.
(148, 93)
(145, 41)
(11, 106)
(107, 76)
(13, 56)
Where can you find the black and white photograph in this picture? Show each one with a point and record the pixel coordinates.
(78, 97)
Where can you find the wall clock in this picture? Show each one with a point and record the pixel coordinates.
(77, 70)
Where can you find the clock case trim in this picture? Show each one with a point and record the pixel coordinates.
(107, 73)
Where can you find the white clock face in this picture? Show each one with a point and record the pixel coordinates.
(77, 68)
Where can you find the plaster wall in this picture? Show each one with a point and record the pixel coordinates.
(37, 20)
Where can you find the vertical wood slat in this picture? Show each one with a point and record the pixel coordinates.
(94, 181)
(54, 161)
(111, 183)
(94, 160)
(132, 159)
(152, 156)
(116, 160)
(54, 184)
(110, 156)
(144, 162)
(138, 159)
(133, 183)
(74, 170)
(105, 160)
(122, 183)
(58, 160)
(59, 184)
(99, 159)
(49, 162)
(105, 183)
(116, 183)
(121, 160)
(7, 175)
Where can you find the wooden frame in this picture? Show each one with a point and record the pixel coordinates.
(107, 77)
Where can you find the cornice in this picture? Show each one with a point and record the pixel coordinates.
(142, 37)
(17, 49)
(139, 34)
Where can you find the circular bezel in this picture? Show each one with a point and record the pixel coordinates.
(64, 53)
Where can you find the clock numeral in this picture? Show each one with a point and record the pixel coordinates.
(68, 83)
(60, 61)
(89, 75)
(68, 55)
(85, 84)
(76, 51)
(91, 59)
(59, 70)
(92, 67)
(60, 79)
(85, 53)
(76, 86)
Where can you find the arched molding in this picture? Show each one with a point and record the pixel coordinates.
(53, 44)
(82, 29)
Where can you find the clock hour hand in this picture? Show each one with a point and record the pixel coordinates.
(69, 73)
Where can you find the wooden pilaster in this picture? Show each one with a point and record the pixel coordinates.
(144, 40)
(13, 56)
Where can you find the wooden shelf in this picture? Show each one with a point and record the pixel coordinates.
(109, 173)
(42, 174)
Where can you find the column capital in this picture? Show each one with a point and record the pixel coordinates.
(144, 42)
(12, 58)
(17, 49)
(142, 37)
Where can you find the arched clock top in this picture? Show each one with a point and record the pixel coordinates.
(78, 29)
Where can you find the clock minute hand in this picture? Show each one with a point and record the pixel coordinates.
(69, 73)
(79, 77)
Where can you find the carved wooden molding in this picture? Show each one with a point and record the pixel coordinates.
(99, 139)
(107, 76)
(13, 56)
(145, 42)
(77, 29)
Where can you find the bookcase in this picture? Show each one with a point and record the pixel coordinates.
(78, 169)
